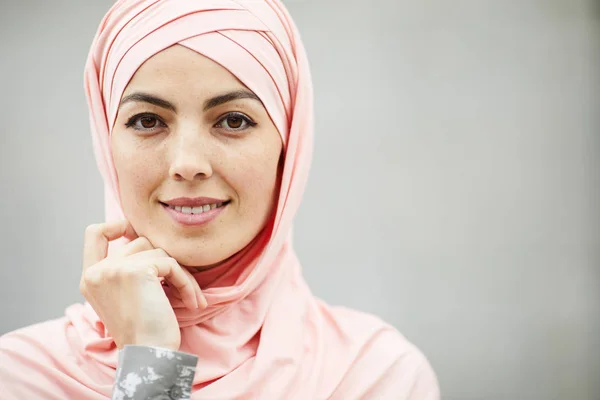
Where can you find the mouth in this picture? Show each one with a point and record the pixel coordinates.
(190, 209)
(195, 211)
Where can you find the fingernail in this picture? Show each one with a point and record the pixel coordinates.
(202, 302)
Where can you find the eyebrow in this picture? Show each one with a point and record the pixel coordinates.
(208, 104)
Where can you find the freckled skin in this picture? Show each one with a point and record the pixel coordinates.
(188, 154)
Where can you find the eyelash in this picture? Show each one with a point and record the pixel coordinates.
(136, 118)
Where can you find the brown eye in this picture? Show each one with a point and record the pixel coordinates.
(145, 122)
(148, 122)
(235, 122)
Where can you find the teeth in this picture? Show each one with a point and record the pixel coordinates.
(196, 210)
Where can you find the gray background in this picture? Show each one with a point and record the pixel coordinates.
(455, 188)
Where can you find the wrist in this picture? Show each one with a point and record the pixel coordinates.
(161, 343)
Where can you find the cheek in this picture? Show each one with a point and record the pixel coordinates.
(257, 181)
(256, 174)
(136, 170)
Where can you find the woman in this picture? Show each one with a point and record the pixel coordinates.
(201, 115)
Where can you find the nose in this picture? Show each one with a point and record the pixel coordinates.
(189, 160)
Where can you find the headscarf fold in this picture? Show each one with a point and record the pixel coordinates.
(263, 335)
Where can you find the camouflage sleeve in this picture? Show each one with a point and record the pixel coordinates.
(154, 373)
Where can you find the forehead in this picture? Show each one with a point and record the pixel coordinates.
(178, 69)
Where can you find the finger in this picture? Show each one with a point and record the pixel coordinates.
(176, 303)
(97, 237)
(136, 246)
(200, 299)
(202, 302)
(159, 253)
(178, 279)
(148, 254)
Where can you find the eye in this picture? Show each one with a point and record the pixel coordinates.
(145, 122)
(235, 121)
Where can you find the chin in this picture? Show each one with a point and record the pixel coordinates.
(198, 252)
(198, 260)
(189, 251)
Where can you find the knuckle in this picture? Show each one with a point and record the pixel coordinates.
(150, 270)
(112, 273)
(136, 241)
(93, 229)
(172, 263)
(161, 253)
(91, 278)
(145, 243)
(142, 240)
(137, 245)
(99, 274)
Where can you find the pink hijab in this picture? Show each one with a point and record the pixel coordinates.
(263, 335)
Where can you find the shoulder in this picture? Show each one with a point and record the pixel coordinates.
(386, 364)
(48, 337)
(35, 339)
(40, 360)
(28, 355)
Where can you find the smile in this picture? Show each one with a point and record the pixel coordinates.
(196, 210)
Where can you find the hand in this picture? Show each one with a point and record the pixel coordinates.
(125, 289)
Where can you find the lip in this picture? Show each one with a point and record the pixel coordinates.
(193, 201)
(194, 219)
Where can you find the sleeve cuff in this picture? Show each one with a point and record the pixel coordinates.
(146, 372)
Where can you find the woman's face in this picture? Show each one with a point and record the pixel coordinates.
(196, 156)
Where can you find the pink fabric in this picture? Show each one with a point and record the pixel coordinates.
(264, 335)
